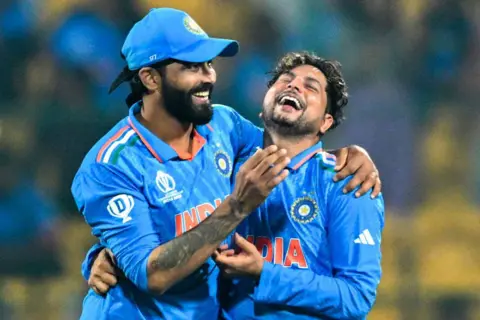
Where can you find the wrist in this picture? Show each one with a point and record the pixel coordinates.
(258, 274)
(237, 207)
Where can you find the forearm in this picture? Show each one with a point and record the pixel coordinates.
(176, 259)
(310, 293)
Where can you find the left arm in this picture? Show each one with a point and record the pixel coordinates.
(351, 290)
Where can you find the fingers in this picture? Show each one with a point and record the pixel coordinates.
(257, 157)
(359, 178)
(346, 171)
(98, 285)
(223, 247)
(341, 158)
(94, 288)
(270, 162)
(278, 179)
(100, 288)
(104, 266)
(231, 261)
(243, 243)
(377, 188)
(367, 185)
(109, 279)
(228, 253)
(277, 168)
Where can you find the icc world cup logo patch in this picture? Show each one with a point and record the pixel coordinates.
(223, 163)
(304, 210)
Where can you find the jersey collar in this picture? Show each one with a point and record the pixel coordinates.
(157, 147)
(305, 155)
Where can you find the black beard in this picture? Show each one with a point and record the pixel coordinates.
(180, 105)
(286, 128)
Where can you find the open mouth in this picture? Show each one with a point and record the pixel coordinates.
(290, 102)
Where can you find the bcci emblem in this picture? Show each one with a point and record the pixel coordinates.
(223, 163)
(192, 26)
(304, 210)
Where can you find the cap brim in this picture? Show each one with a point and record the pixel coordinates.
(208, 49)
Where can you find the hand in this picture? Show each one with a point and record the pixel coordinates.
(257, 177)
(248, 262)
(355, 160)
(102, 275)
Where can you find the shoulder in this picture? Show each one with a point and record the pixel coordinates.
(116, 148)
(230, 118)
(114, 158)
(225, 116)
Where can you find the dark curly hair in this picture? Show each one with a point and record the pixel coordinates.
(337, 96)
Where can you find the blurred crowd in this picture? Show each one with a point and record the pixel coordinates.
(413, 71)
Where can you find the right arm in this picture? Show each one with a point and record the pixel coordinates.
(129, 232)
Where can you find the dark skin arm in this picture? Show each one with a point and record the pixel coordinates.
(176, 259)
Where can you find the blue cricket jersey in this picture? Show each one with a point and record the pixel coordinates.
(321, 247)
(137, 193)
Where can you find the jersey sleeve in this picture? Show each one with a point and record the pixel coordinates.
(349, 293)
(118, 213)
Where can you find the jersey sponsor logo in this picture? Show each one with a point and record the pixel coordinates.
(120, 207)
(223, 163)
(166, 184)
(279, 251)
(189, 219)
(304, 210)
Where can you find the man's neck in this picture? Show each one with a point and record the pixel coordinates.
(166, 127)
(293, 145)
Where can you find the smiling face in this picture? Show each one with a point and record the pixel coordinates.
(184, 88)
(296, 103)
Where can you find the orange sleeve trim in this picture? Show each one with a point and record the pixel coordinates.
(149, 147)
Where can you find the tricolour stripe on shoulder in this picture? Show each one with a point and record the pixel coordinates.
(109, 142)
(117, 145)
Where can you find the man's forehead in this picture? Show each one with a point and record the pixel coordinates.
(309, 71)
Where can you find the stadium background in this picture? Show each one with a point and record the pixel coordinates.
(414, 76)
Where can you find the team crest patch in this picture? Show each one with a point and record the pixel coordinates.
(304, 210)
(223, 163)
(192, 26)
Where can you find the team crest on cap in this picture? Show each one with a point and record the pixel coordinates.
(223, 163)
(304, 210)
(192, 26)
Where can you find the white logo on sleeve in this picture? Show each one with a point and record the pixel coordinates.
(120, 207)
(365, 238)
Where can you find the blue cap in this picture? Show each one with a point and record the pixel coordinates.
(166, 33)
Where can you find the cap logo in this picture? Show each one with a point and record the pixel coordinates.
(192, 26)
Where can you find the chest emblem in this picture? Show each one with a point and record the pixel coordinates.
(166, 184)
(304, 210)
(223, 163)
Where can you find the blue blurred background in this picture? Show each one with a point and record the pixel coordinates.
(414, 76)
